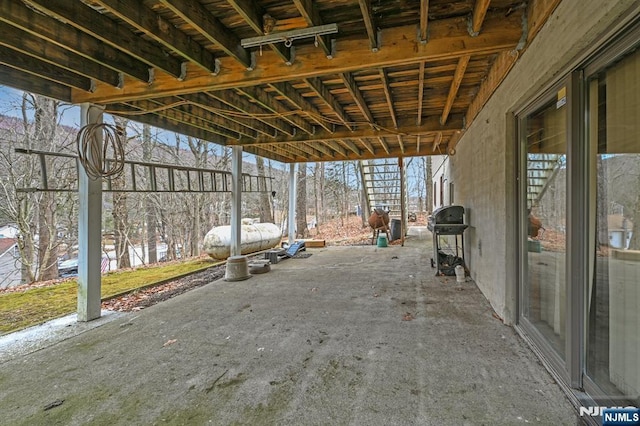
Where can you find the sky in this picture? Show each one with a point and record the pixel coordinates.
(11, 99)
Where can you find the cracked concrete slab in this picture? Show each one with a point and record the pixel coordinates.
(348, 336)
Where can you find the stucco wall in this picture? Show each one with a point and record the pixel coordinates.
(483, 168)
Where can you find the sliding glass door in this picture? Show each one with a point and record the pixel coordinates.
(579, 226)
(613, 297)
(544, 175)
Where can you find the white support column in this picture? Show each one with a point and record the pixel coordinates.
(236, 199)
(89, 231)
(237, 268)
(292, 203)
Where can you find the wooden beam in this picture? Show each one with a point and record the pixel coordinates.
(287, 91)
(253, 111)
(253, 14)
(479, 12)
(499, 70)
(453, 142)
(431, 126)
(401, 144)
(310, 14)
(352, 146)
(31, 83)
(420, 92)
(367, 16)
(215, 106)
(15, 13)
(538, 12)
(43, 69)
(424, 21)
(185, 114)
(322, 148)
(448, 39)
(455, 85)
(196, 15)
(387, 94)
(367, 145)
(270, 104)
(139, 16)
(267, 152)
(166, 123)
(352, 87)
(384, 144)
(325, 95)
(55, 55)
(92, 22)
(337, 147)
(436, 141)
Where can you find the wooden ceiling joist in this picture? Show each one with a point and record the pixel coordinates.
(401, 144)
(430, 126)
(424, 21)
(186, 114)
(24, 42)
(367, 145)
(195, 14)
(91, 22)
(477, 18)
(325, 95)
(455, 85)
(35, 84)
(239, 103)
(436, 141)
(253, 15)
(40, 68)
(15, 13)
(181, 66)
(387, 94)
(384, 144)
(265, 101)
(369, 23)
(420, 92)
(144, 19)
(448, 39)
(352, 88)
(311, 15)
(352, 146)
(288, 92)
(232, 122)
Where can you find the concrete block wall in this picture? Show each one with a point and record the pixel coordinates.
(483, 169)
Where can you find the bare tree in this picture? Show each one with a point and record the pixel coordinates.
(120, 211)
(151, 220)
(302, 231)
(265, 200)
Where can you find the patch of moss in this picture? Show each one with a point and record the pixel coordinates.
(34, 306)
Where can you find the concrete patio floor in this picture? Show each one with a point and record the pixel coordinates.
(349, 336)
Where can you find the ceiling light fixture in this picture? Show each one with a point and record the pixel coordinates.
(287, 37)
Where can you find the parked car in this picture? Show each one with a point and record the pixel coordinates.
(68, 268)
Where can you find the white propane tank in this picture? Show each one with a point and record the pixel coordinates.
(255, 237)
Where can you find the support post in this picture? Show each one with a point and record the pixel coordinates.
(237, 268)
(292, 203)
(236, 199)
(89, 230)
(403, 203)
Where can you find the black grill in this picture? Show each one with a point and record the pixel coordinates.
(447, 221)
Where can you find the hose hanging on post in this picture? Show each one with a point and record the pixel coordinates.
(93, 150)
